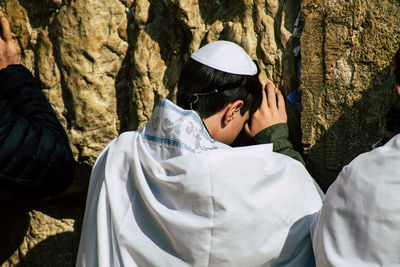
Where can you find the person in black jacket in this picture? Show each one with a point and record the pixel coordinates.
(35, 156)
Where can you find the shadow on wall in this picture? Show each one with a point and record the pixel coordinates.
(13, 226)
(127, 83)
(359, 126)
(21, 227)
(59, 250)
(33, 230)
(123, 85)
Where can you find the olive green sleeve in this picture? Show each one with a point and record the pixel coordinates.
(278, 134)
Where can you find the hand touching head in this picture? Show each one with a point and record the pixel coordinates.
(272, 111)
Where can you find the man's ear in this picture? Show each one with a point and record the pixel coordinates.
(230, 111)
(398, 89)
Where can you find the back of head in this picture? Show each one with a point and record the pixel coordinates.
(216, 75)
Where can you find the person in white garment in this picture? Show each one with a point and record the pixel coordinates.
(359, 223)
(176, 194)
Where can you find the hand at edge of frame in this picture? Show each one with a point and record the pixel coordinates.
(8, 51)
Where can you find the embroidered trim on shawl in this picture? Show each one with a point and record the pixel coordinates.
(173, 127)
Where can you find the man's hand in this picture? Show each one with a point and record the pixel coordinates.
(272, 111)
(8, 52)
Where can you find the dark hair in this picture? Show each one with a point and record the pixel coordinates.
(219, 89)
(397, 66)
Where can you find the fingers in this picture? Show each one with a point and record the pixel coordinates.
(275, 100)
(271, 95)
(7, 35)
(272, 111)
(281, 101)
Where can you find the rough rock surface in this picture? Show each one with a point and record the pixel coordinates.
(104, 64)
(347, 79)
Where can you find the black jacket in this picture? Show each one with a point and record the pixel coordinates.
(35, 156)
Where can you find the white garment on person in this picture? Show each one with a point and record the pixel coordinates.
(169, 195)
(359, 223)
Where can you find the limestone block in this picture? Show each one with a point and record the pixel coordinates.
(346, 81)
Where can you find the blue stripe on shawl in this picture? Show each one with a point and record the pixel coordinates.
(168, 142)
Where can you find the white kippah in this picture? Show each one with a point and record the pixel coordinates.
(226, 56)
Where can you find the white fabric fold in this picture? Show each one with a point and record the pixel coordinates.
(159, 197)
(360, 220)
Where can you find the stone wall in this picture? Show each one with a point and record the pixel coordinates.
(347, 79)
(104, 64)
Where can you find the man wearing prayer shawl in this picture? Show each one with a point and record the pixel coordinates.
(359, 222)
(176, 194)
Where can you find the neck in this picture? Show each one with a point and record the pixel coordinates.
(213, 125)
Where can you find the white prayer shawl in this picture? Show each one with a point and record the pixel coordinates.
(359, 223)
(169, 195)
